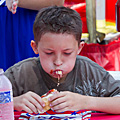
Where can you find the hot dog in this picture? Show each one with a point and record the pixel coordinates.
(45, 98)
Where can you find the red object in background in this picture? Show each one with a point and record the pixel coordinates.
(86, 115)
(110, 10)
(74, 1)
(95, 116)
(107, 56)
(104, 116)
(80, 7)
(118, 15)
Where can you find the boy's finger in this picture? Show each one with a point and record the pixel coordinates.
(27, 109)
(56, 96)
(38, 99)
(60, 106)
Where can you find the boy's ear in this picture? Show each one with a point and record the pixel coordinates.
(80, 47)
(34, 46)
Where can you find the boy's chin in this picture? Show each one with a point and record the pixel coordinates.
(54, 77)
(61, 79)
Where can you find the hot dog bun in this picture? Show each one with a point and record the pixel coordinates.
(45, 98)
(47, 103)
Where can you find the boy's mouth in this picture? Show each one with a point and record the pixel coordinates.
(58, 73)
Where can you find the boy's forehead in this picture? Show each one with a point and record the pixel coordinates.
(54, 34)
(51, 39)
(57, 36)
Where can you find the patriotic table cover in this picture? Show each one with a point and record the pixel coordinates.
(51, 115)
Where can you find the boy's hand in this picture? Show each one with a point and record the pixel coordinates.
(12, 5)
(68, 101)
(29, 102)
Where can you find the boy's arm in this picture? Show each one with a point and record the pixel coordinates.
(38, 4)
(104, 104)
(66, 101)
(29, 102)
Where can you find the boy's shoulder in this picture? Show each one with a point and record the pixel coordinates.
(82, 60)
(27, 63)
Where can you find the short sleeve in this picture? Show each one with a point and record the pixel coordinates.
(10, 75)
(110, 86)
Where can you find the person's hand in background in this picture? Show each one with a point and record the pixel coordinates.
(31, 4)
(12, 5)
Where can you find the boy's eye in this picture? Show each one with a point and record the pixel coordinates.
(68, 53)
(49, 53)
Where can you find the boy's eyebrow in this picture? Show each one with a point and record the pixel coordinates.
(68, 48)
(47, 48)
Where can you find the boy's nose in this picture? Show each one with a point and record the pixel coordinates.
(57, 62)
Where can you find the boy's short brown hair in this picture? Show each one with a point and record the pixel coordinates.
(57, 19)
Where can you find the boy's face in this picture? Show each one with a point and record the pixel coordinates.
(57, 52)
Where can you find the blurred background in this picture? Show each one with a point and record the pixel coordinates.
(101, 35)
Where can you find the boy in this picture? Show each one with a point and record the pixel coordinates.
(83, 84)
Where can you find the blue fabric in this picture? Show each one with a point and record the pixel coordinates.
(2, 2)
(16, 32)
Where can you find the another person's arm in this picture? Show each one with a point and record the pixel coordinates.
(38, 4)
(31, 4)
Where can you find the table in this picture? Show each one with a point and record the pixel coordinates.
(104, 116)
(94, 116)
